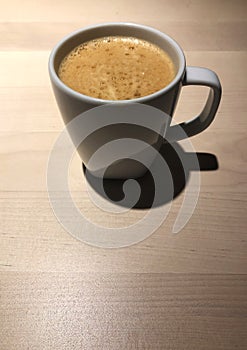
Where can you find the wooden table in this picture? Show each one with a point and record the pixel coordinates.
(185, 291)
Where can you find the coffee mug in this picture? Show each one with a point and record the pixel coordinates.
(73, 104)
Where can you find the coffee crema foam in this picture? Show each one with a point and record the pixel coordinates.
(117, 68)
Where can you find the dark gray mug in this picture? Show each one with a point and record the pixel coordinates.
(72, 103)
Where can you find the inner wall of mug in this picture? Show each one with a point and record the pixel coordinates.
(141, 32)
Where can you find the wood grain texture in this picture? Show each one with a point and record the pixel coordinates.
(192, 35)
(123, 311)
(180, 292)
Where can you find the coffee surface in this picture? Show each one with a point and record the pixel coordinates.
(117, 68)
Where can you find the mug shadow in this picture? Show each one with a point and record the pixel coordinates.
(180, 164)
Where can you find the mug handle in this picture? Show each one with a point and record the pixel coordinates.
(205, 77)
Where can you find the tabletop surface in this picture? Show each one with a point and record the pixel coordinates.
(183, 291)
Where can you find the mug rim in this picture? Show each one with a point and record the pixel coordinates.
(97, 101)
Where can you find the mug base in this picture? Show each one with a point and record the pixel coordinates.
(120, 170)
